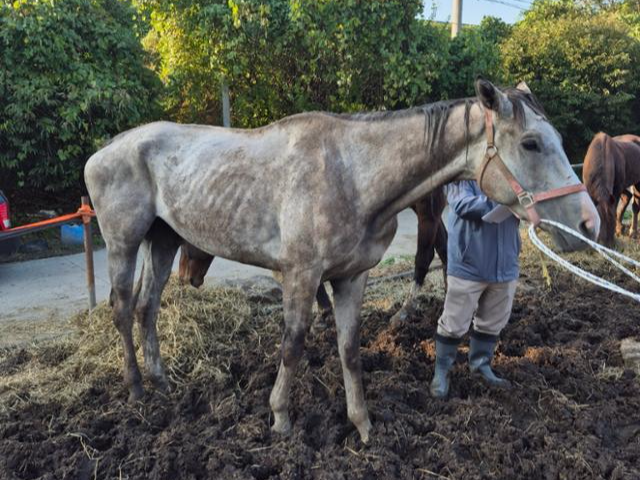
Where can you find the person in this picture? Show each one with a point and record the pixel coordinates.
(482, 273)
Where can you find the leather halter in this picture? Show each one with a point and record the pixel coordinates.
(527, 199)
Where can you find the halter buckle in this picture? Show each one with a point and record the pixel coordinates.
(526, 199)
(491, 151)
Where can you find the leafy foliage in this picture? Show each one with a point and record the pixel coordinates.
(584, 64)
(72, 75)
(475, 51)
(285, 56)
(74, 72)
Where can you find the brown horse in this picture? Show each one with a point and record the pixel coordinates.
(611, 166)
(625, 198)
(432, 238)
(194, 265)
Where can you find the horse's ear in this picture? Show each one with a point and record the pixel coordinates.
(490, 97)
(524, 87)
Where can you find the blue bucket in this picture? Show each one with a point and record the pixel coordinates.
(72, 234)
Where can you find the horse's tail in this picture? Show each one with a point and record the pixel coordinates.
(598, 172)
(598, 175)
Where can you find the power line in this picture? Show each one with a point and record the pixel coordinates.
(508, 4)
(525, 2)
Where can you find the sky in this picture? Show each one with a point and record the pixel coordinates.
(474, 10)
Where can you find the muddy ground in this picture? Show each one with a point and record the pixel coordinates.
(574, 410)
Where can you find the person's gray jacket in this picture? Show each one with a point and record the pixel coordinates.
(478, 250)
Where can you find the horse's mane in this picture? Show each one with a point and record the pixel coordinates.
(436, 114)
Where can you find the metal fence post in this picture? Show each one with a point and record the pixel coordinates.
(88, 250)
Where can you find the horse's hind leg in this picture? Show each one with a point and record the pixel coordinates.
(183, 266)
(299, 290)
(347, 295)
(159, 249)
(325, 308)
(125, 211)
(427, 234)
(623, 203)
(441, 248)
(122, 265)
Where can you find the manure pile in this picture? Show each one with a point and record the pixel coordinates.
(574, 411)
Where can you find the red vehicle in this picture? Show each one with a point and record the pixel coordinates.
(10, 245)
(5, 222)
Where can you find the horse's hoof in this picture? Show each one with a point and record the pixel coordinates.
(399, 318)
(322, 321)
(282, 431)
(136, 392)
(281, 426)
(364, 429)
(161, 384)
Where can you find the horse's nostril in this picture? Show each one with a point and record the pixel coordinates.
(587, 229)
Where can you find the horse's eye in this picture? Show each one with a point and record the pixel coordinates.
(530, 144)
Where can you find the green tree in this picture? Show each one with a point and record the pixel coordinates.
(72, 74)
(285, 56)
(475, 51)
(583, 63)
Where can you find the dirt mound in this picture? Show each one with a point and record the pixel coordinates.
(574, 411)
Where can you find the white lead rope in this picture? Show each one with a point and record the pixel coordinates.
(604, 251)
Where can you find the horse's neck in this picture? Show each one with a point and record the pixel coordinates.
(414, 155)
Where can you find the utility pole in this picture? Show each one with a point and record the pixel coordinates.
(456, 17)
(226, 108)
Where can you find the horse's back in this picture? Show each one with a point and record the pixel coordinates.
(214, 186)
(630, 145)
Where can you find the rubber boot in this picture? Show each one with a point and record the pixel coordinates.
(481, 349)
(446, 351)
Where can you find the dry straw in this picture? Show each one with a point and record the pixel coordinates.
(199, 331)
(202, 332)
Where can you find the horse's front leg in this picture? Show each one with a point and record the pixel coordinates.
(635, 208)
(299, 291)
(348, 294)
(625, 198)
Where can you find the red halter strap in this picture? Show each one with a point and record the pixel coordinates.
(527, 199)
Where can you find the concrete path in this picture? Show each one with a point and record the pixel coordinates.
(52, 289)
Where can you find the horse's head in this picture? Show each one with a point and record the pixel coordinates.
(527, 168)
(194, 265)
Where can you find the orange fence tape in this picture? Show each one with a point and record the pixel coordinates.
(85, 212)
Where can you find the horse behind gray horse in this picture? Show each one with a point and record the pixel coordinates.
(611, 167)
(314, 196)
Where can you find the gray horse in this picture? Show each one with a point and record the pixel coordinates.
(314, 196)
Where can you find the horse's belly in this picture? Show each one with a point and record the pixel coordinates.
(244, 233)
(259, 245)
(367, 254)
